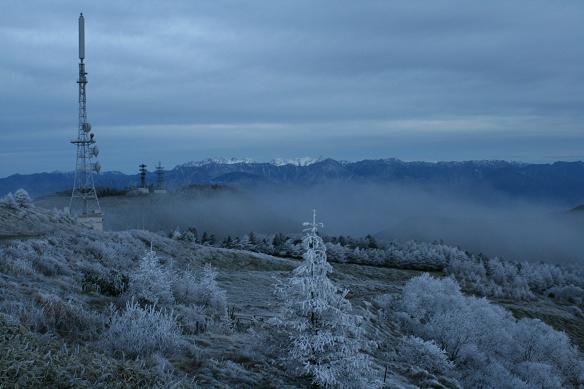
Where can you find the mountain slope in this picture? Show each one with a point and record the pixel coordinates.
(559, 181)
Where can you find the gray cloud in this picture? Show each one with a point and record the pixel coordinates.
(185, 80)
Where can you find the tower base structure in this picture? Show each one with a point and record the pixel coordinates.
(92, 220)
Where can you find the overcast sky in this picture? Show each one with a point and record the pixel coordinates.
(185, 80)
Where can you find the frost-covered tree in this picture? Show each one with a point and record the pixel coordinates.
(489, 347)
(176, 234)
(8, 201)
(325, 336)
(202, 291)
(22, 198)
(151, 283)
(228, 242)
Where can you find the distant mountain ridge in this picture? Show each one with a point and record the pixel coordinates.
(559, 181)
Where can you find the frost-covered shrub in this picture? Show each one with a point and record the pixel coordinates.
(8, 201)
(409, 255)
(151, 282)
(569, 293)
(22, 199)
(193, 319)
(189, 236)
(423, 354)
(499, 278)
(31, 361)
(67, 318)
(139, 331)
(176, 234)
(488, 345)
(202, 291)
(491, 277)
(48, 265)
(17, 266)
(112, 284)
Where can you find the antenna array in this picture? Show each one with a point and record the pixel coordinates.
(84, 202)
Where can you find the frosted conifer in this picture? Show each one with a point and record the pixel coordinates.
(325, 336)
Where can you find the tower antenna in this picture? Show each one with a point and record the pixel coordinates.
(143, 172)
(84, 203)
(159, 179)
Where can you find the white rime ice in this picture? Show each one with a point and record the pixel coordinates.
(325, 337)
(151, 282)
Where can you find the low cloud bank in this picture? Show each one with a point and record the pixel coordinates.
(492, 224)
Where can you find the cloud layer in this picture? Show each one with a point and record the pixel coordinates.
(180, 80)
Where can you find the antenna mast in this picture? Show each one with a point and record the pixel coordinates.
(159, 179)
(143, 172)
(84, 202)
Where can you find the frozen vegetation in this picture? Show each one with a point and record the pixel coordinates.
(486, 344)
(80, 308)
(323, 337)
(492, 277)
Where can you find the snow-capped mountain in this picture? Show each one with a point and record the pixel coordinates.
(303, 161)
(559, 181)
(220, 161)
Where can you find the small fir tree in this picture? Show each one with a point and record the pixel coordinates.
(325, 336)
(228, 242)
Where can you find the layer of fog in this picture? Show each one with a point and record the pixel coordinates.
(493, 225)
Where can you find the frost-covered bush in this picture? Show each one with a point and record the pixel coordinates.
(112, 284)
(8, 201)
(487, 344)
(202, 291)
(569, 294)
(139, 331)
(408, 255)
(151, 282)
(176, 234)
(67, 318)
(32, 361)
(22, 199)
(424, 354)
(499, 278)
(324, 335)
(48, 265)
(15, 265)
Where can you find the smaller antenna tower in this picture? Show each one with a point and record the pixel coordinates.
(159, 179)
(143, 172)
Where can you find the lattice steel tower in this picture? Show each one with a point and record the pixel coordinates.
(159, 176)
(84, 202)
(143, 171)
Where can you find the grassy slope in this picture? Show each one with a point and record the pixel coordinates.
(224, 358)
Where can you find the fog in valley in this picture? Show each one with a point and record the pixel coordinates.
(491, 224)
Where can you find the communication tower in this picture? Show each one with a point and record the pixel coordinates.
(143, 172)
(84, 203)
(159, 179)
